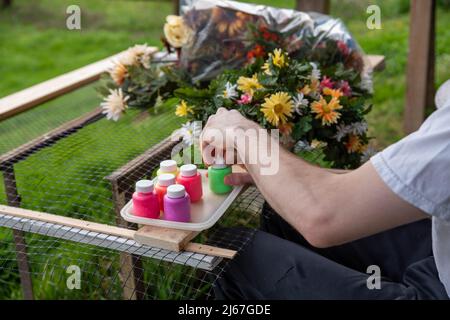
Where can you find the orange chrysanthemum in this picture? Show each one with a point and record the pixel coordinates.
(118, 73)
(335, 93)
(353, 144)
(326, 111)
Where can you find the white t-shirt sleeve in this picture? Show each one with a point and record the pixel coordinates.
(417, 168)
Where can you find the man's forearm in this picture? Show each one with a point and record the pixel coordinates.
(328, 208)
(297, 191)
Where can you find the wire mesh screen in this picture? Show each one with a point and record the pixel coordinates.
(64, 158)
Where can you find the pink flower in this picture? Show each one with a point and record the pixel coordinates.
(326, 83)
(245, 99)
(343, 48)
(345, 88)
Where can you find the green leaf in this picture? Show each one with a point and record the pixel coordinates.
(302, 127)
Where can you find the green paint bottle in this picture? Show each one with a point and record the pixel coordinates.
(216, 176)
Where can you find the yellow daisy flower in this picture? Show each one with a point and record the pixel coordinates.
(183, 109)
(278, 58)
(249, 85)
(277, 108)
(326, 110)
(353, 144)
(335, 93)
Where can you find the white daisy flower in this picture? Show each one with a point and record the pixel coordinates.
(358, 128)
(315, 73)
(302, 145)
(138, 54)
(299, 103)
(342, 131)
(230, 91)
(189, 132)
(114, 104)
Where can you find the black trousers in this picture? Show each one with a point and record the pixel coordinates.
(278, 263)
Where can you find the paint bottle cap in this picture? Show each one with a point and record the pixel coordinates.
(188, 170)
(144, 186)
(166, 179)
(219, 163)
(176, 191)
(168, 166)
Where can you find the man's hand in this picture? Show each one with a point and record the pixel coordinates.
(217, 138)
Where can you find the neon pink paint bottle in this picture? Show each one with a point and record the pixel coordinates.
(191, 179)
(145, 202)
(177, 205)
(164, 180)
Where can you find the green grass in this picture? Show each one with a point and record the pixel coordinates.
(36, 46)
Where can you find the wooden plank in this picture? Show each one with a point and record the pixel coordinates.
(69, 222)
(206, 249)
(49, 138)
(87, 226)
(420, 69)
(120, 244)
(44, 91)
(166, 238)
(375, 62)
(322, 6)
(13, 199)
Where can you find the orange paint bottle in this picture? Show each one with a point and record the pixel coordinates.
(164, 180)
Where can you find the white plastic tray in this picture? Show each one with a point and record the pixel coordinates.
(204, 213)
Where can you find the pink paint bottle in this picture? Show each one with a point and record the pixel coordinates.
(145, 202)
(177, 204)
(164, 180)
(191, 179)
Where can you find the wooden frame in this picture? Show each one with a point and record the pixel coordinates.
(124, 244)
(121, 179)
(88, 227)
(322, 6)
(420, 68)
